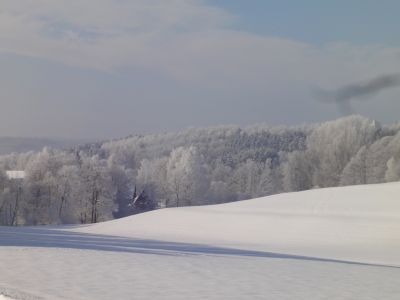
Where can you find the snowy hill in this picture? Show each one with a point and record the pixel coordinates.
(335, 243)
(356, 223)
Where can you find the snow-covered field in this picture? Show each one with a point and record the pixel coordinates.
(337, 243)
(2, 297)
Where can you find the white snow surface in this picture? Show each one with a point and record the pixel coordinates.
(357, 223)
(2, 297)
(335, 243)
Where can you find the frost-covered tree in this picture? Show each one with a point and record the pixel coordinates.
(355, 171)
(332, 145)
(10, 200)
(122, 181)
(377, 156)
(197, 166)
(67, 194)
(297, 172)
(97, 191)
(152, 178)
(269, 180)
(186, 176)
(393, 169)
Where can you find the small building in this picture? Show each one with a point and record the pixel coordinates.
(14, 174)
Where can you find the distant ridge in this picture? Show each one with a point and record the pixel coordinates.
(10, 145)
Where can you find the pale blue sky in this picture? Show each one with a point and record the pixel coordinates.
(319, 22)
(110, 68)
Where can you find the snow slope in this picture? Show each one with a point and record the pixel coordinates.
(337, 243)
(356, 223)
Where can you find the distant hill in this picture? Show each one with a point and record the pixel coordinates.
(17, 144)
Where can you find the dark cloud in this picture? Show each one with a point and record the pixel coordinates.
(357, 91)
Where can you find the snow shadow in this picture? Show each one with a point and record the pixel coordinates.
(48, 237)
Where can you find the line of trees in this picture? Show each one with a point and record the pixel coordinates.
(97, 182)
